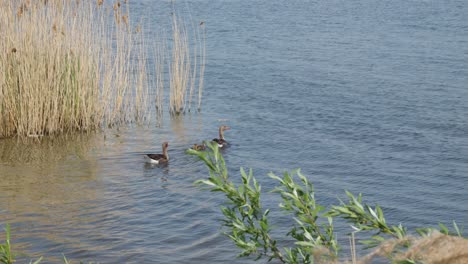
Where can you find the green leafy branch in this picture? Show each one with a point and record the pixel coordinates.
(299, 199)
(365, 218)
(246, 220)
(312, 230)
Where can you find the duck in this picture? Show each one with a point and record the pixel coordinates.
(158, 158)
(199, 147)
(221, 141)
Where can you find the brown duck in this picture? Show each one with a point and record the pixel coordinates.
(158, 158)
(221, 141)
(199, 147)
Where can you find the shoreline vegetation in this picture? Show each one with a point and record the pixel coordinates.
(70, 65)
(312, 238)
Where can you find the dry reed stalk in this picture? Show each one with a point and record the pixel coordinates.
(199, 60)
(352, 243)
(201, 76)
(194, 71)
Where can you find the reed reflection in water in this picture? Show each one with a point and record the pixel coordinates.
(45, 184)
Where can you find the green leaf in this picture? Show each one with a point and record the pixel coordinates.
(263, 225)
(457, 230)
(307, 235)
(372, 212)
(424, 231)
(206, 182)
(39, 261)
(319, 208)
(304, 243)
(406, 261)
(443, 229)
(294, 192)
(273, 176)
(380, 213)
(302, 177)
(192, 152)
(378, 238)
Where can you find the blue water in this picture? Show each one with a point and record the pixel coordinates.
(365, 96)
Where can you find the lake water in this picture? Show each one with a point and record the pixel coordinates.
(366, 96)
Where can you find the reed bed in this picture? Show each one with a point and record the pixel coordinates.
(68, 65)
(64, 67)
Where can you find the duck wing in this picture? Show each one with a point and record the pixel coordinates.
(156, 156)
(220, 141)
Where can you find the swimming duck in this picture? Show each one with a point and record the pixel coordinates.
(221, 141)
(158, 158)
(199, 147)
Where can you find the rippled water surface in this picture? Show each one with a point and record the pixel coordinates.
(367, 96)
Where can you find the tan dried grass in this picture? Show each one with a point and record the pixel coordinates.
(436, 248)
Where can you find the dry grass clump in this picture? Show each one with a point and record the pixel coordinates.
(68, 65)
(437, 248)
